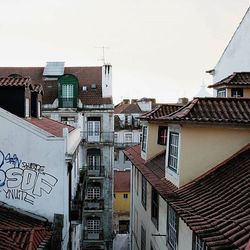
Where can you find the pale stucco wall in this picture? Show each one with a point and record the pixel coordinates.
(203, 148)
(236, 55)
(152, 147)
(185, 236)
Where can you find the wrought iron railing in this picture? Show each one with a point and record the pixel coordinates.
(93, 234)
(94, 171)
(67, 102)
(93, 204)
(97, 137)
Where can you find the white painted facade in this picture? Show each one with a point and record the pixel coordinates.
(34, 168)
(235, 57)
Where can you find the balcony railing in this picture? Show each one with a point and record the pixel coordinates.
(93, 234)
(67, 102)
(97, 137)
(95, 204)
(125, 144)
(94, 171)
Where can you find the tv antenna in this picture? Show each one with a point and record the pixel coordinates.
(103, 59)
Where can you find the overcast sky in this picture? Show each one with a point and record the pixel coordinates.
(158, 48)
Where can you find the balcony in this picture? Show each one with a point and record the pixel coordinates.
(94, 171)
(123, 145)
(98, 137)
(75, 211)
(95, 204)
(93, 234)
(67, 102)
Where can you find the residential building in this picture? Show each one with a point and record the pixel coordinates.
(205, 160)
(235, 85)
(39, 157)
(82, 97)
(128, 128)
(121, 206)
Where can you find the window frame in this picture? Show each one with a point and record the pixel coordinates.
(155, 207)
(172, 228)
(173, 151)
(125, 196)
(143, 238)
(162, 138)
(239, 92)
(144, 192)
(198, 244)
(144, 138)
(222, 92)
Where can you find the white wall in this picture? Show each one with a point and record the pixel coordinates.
(236, 55)
(42, 190)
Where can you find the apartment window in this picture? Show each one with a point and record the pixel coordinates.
(115, 138)
(114, 196)
(173, 151)
(144, 138)
(162, 135)
(198, 244)
(125, 196)
(155, 207)
(128, 138)
(221, 93)
(68, 91)
(68, 120)
(237, 92)
(93, 226)
(93, 193)
(172, 228)
(94, 127)
(144, 192)
(143, 238)
(116, 155)
(94, 159)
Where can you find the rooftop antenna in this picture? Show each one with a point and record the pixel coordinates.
(103, 59)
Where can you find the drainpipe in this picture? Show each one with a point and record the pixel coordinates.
(69, 206)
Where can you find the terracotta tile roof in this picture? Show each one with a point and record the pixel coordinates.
(237, 79)
(85, 75)
(53, 127)
(213, 110)
(153, 172)
(121, 181)
(127, 108)
(161, 110)
(15, 82)
(22, 231)
(216, 206)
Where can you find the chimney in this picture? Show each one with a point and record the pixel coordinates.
(125, 101)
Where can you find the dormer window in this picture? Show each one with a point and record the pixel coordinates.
(237, 92)
(221, 93)
(173, 151)
(68, 91)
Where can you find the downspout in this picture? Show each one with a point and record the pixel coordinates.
(69, 206)
(131, 207)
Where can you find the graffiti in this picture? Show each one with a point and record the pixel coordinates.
(24, 181)
(17, 194)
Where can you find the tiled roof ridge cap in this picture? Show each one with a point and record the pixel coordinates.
(213, 169)
(19, 228)
(151, 111)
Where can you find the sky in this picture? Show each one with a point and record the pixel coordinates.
(158, 48)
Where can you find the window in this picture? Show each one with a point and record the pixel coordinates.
(68, 120)
(68, 91)
(221, 93)
(93, 193)
(237, 92)
(162, 135)
(93, 226)
(115, 138)
(198, 244)
(144, 139)
(143, 238)
(172, 228)
(173, 151)
(155, 207)
(125, 196)
(114, 196)
(94, 127)
(93, 159)
(144, 192)
(126, 158)
(128, 138)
